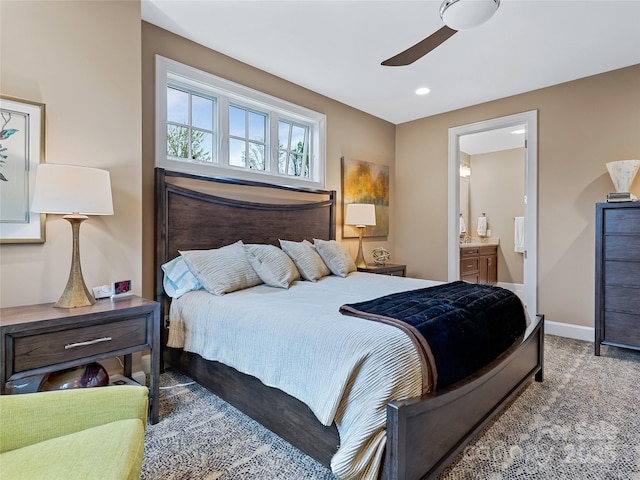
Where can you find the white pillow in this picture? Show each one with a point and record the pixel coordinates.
(178, 279)
(309, 263)
(272, 265)
(222, 270)
(335, 256)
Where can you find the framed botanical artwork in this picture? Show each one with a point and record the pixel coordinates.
(21, 150)
(366, 182)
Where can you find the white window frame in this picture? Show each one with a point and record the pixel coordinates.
(171, 72)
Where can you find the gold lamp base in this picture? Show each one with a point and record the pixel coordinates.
(76, 293)
(360, 263)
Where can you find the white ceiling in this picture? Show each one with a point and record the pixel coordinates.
(335, 47)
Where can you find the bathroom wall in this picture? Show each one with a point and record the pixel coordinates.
(496, 187)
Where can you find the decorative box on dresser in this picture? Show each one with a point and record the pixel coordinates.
(38, 339)
(617, 275)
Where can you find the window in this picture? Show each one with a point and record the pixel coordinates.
(247, 138)
(210, 126)
(190, 120)
(293, 149)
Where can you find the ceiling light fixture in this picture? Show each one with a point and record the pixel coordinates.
(422, 91)
(466, 14)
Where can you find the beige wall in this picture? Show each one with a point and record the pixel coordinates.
(581, 125)
(82, 60)
(496, 187)
(350, 133)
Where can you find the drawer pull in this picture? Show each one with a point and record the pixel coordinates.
(88, 342)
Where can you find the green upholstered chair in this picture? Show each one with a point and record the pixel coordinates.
(85, 433)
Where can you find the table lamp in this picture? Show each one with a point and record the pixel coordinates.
(360, 215)
(74, 192)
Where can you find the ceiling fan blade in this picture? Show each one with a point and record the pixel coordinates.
(420, 49)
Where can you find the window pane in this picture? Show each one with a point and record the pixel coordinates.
(177, 141)
(282, 162)
(237, 124)
(297, 138)
(295, 165)
(283, 135)
(177, 106)
(257, 126)
(256, 156)
(201, 146)
(236, 152)
(202, 112)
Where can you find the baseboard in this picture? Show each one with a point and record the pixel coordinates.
(514, 287)
(577, 332)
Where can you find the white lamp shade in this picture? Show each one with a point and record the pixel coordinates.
(360, 214)
(466, 14)
(622, 173)
(66, 189)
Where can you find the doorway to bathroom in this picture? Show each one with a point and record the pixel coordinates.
(513, 194)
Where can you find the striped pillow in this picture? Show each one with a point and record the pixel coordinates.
(309, 263)
(272, 265)
(335, 256)
(222, 270)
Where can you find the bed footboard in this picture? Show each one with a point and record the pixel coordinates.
(425, 434)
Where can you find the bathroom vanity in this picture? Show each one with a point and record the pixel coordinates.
(479, 262)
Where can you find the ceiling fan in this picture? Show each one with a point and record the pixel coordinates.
(456, 15)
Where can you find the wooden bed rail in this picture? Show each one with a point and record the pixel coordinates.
(430, 434)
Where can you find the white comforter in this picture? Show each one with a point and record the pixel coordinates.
(345, 369)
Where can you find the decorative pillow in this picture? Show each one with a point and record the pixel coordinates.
(222, 270)
(178, 279)
(307, 260)
(335, 256)
(272, 265)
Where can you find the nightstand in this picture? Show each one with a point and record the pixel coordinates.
(393, 269)
(38, 339)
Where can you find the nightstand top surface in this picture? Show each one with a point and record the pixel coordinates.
(46, 311)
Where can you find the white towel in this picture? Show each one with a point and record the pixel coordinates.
(518, 234)
(482, 226)
(463, 225)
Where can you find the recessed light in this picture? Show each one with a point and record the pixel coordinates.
(518, 132)
(422, 91)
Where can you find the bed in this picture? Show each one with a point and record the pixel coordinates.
(423, 432)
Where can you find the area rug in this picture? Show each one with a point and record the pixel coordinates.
(582, 422)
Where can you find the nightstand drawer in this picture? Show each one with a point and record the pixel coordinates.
(41, 350)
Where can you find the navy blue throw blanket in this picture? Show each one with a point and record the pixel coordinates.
(465, 325)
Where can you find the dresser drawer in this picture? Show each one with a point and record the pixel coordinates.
(623, 220)
(622, 247)
(468, 265)
(626, 274)
(622, 299)
(40, 350)
(622, 328)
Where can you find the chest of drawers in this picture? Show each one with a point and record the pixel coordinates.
(617, 275)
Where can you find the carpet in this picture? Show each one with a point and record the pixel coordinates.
(582, 422)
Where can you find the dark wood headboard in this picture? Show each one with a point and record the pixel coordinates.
(196, 213)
